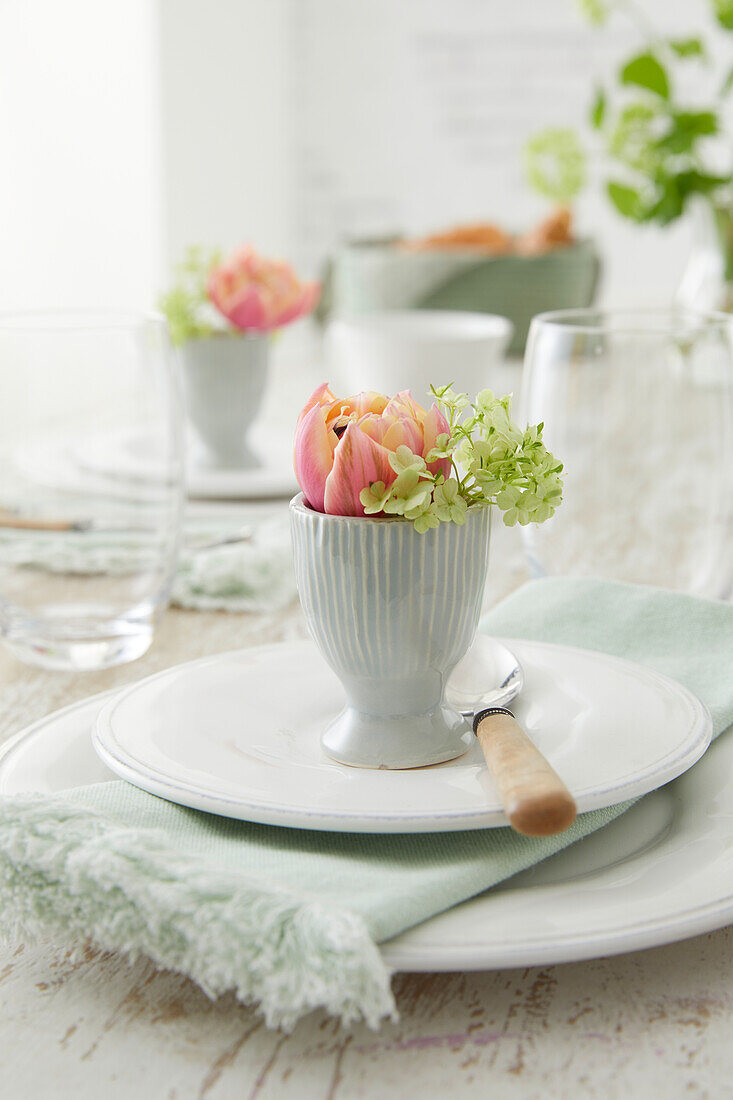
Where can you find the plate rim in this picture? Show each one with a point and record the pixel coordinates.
(273, 479)
(258, 483)
(151, 779)
(635, 936)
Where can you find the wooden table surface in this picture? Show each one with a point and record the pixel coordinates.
(654, 1022)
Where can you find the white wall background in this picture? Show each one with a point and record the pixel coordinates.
(129, 130)
(80, 195)
(413, 115)
(225, 123)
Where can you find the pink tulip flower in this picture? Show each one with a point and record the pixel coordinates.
(257, 295)
(342, 445)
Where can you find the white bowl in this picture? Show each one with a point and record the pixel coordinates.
(395, 350)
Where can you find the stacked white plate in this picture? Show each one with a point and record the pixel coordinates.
(238, 735)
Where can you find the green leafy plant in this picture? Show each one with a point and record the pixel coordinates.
(492, 461)
(658, 141)
(186, 305)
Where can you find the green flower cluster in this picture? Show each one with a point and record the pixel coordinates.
(492, 461)
(186, 302)
(555, 163)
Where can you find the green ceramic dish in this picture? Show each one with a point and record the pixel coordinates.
(368, 275)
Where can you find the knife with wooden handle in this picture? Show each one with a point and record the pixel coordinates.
(533, 795)
(24, 523)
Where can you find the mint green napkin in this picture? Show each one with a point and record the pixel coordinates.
(289, 918)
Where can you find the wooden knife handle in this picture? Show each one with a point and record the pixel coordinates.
(20, 523)
(24, 523)
(535, 799)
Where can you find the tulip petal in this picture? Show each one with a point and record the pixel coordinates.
(404, 432)
(393, 431)
(321, 396)
(376, 426)
(246, 310)
(357, 463)
(303, 304)
(434, 424)
(313, 455)
(256, 294)
(368, 401)
(404, 404)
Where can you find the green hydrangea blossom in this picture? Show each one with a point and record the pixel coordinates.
(403, 461)
(448, 504)
(185, 305)
(408, 494)
(375, 498)
(555, 164)
(424, 518)
(493, 461)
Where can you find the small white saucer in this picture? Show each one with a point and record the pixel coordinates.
(261, 483)
(128, 453)
(238, 735)
(122, 463)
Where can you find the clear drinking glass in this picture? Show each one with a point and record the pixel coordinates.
(639, 407)
(90, 485)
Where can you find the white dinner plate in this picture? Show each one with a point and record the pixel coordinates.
(239, 735)
(659, 873)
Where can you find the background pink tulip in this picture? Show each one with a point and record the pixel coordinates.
(342, 445)
(258, 295)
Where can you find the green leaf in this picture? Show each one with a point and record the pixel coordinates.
(626, 200)
(670, 201)
(727, 84)
(699, 122)
(723, 10)
(701, 183)
(685, 127)
(646, 71)
(598, 110)
(673, 191)
(688, 47)
(633, 140)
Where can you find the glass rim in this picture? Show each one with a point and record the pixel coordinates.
(77, 319)
(671, 319)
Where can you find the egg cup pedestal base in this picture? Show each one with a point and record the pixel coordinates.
(397, 741)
